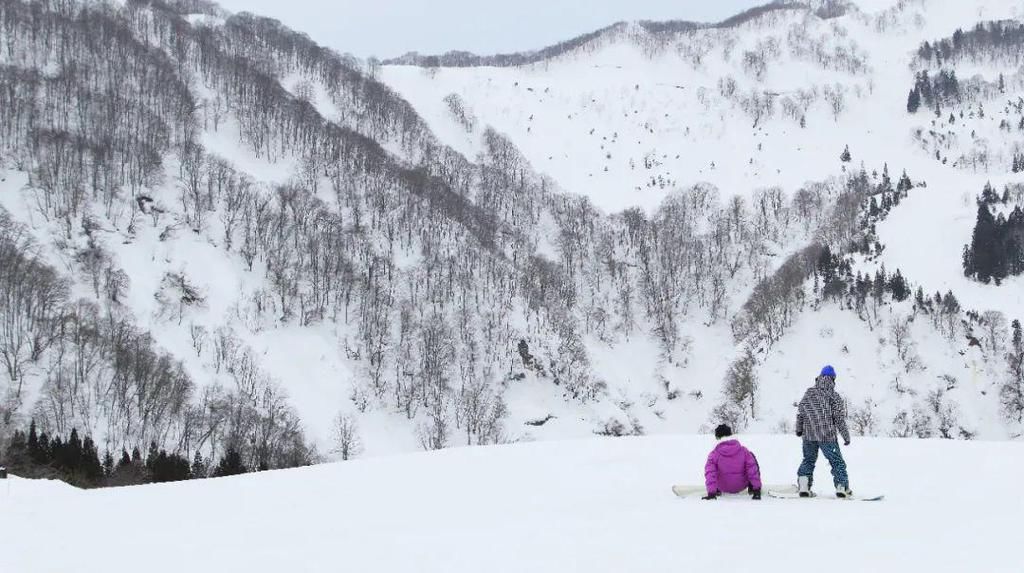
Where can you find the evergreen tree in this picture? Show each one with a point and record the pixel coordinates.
(108, 464)
(151, 456)
(950, 304)
(1011, 393)
(72, 461)
(898, 287)
(230, 464)
(166, 467)
(878, 285)
(984, 257)
(904, 185)
(919, 301)
(199, 469)
(34, 450)
(57, 452)
(967, 260)
(91, 467)
(886, 185)
(125, 460)
(45, 449)
(129, 470)
(989, 195)
(17, 448)
(914, 100)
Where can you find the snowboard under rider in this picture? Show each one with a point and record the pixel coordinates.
(821, 416)
(731, 468)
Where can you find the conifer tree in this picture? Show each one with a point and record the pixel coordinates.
(34, 451)
(1011, 393)
(914, 100)
(898, 287)
(45, 449)
(984, 258)
(72, 459)
(91, 468)
(230, 464)
(199, 469)
(108, 464)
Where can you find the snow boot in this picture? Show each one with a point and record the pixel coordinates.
(843, 492)
(804, 486)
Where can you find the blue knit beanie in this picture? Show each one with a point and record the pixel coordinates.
(828, 371)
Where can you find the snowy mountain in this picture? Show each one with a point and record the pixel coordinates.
(223, 241)
(766, 103)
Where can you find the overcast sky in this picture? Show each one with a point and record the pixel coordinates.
(389, 28)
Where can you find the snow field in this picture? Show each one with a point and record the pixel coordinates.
(590, 505)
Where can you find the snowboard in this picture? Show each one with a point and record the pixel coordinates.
(699, 491)
(790, 492)
(786, 491)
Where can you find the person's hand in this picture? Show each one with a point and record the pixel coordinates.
(846, 442)
(799, 434)
(711, 496)
(757, 494)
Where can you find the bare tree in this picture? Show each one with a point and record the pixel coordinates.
(906, 348)
(741, 381)
(994, 328)
(347, 442)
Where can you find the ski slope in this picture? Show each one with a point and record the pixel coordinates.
(594, 505)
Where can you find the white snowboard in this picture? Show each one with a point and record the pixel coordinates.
(791, 492)
(698, 491)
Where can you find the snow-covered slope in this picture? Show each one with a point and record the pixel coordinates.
(592, 505)
(635, 114)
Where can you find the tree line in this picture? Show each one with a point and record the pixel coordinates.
(987, 41)
(77, 461)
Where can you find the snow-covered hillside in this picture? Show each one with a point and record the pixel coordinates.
(637, 112)
(250, 242)
(591, 505)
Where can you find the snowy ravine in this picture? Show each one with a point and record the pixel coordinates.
(593, 505)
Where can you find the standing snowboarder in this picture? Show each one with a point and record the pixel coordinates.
(822, 415)
(731, 468)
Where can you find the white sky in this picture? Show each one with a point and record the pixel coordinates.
(389, 28)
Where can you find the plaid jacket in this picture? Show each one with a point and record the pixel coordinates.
(822, 413)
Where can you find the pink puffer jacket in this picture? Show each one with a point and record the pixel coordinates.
(731, 468)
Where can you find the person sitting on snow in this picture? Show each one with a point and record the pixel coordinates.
(731, 468)
(821, 415)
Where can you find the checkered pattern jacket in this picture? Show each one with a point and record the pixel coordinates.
(822, 413)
